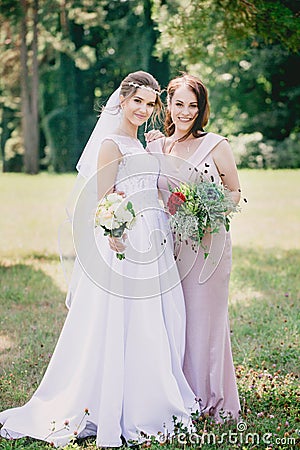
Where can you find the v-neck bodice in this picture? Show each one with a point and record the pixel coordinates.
(178, 160)
(175, 170)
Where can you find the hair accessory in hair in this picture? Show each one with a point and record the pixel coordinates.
(142, 86)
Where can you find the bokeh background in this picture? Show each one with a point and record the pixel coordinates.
(61, 59)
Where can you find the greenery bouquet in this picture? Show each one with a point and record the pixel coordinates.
(199, 208)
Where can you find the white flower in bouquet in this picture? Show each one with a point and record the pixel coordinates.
(114, 215)
(114, 198)
(123, 215)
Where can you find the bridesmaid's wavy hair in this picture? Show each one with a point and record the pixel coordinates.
(131, 84)
(196, 86)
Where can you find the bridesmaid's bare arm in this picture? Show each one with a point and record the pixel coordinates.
(224, 160)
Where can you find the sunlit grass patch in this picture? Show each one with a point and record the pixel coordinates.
(32, 314)
(271, 216)
(265, 320)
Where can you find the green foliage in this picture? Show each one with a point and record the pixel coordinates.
(11, 9)
(258, 93)
(195, 29)
(278, 21)
(67, 81)
(254, 152)
(245, 52)
(256, 99)
(85, 49)
(265, 90)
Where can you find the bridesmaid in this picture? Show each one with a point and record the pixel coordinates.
(185, 152)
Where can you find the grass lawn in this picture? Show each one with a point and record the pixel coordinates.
(264, 304)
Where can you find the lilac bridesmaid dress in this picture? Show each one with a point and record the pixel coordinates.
(208, 364)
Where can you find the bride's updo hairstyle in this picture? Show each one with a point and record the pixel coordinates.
(111, 116)
(143, 80)
(196, 86)
(140, 79)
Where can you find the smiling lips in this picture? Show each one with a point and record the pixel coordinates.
(185, 119)
(140, 117)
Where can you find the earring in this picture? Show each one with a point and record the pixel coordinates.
(120, 110)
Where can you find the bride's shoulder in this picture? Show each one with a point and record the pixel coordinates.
(118, 143)
(109, 150)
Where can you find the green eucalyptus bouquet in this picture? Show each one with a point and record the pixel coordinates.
(200, 207)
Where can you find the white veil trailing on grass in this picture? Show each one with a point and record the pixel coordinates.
(107, 123)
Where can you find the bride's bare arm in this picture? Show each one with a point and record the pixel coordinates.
(108, 162)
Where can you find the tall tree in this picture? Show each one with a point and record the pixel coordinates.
(21, 19)
(10, 14)
(29, 87)
(71, 33)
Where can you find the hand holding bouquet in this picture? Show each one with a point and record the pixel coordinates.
(199, 208)
(114, 215)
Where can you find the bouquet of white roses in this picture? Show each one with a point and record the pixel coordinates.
(114, 215)
(199, 208)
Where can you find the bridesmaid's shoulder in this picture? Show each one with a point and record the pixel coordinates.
(217, 136)
(218, 141)
(220, 145)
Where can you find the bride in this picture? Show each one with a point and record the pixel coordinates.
(116, 371)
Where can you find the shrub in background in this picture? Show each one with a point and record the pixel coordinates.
(252, 151)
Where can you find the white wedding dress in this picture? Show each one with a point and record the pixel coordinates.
(121, 349)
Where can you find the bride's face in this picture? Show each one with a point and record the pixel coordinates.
(138, 108)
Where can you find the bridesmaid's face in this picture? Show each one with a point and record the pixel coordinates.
(139, 107)
(184, 108)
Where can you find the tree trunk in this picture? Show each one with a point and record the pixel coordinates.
(7, 116)
(29, 93)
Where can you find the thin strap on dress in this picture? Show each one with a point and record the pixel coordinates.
(210, 141)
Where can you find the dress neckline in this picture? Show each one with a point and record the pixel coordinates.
(128, 138)
(184, 160)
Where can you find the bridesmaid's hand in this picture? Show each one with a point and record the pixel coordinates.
(152, 135)
(116, 244)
